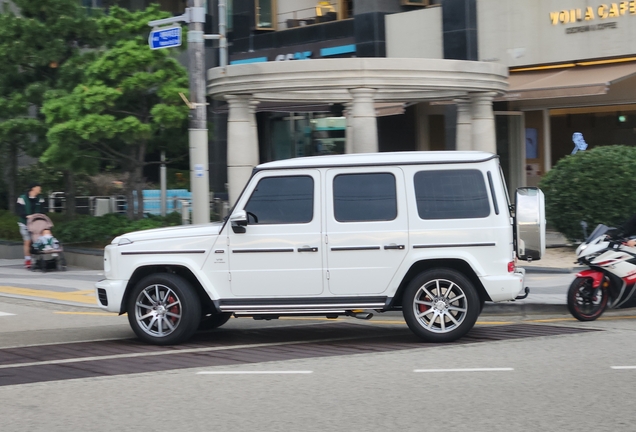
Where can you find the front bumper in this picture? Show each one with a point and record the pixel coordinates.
(110, 294)
(505, 287)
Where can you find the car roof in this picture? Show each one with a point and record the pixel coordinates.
(376, 159)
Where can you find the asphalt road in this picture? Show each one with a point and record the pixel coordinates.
(513, 373)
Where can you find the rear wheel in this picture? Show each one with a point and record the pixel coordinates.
(441, 305)
(583, 302)
(163, 309)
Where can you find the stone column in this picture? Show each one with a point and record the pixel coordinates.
(349, 131)
(242, 144)
(483, 131)
(364, 124)
(464, 131)
(253, 105)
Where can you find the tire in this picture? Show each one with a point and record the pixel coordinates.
(431, 314)
(170, 321)
(581, 304)
(214, 321)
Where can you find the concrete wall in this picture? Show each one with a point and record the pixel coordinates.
(416, 34)
(523, 32)
(92, 259)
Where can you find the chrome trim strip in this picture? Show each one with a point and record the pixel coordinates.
(453, 245)
(355, 248)
(290, 312)
(261, 250)
(163, 252)
(302, 307)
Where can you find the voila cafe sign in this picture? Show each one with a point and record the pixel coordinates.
(591, 15)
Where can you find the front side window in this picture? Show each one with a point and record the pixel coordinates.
(364, 197)
(451, 194)
(282, 200)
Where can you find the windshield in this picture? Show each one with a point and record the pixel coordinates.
(598, 231)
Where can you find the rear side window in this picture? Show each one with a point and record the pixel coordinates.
(282, 200)
(451, 194)
(364, 197)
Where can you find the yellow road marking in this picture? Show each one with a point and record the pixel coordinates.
(89, 313)
(551, 320)
(381, 321)
(84, 296)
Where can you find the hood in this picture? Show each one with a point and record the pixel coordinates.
(171, 232)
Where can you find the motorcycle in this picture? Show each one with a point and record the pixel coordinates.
(610, 281)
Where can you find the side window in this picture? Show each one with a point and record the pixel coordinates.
(364, 197)
(451, 194)
(282, 200)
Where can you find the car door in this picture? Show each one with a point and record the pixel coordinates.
(278, 252)
(367, 228)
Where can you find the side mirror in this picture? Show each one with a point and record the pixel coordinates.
(238, 220)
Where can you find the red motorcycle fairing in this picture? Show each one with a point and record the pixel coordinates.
(595, 275)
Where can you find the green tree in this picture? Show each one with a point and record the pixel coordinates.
(126, 106)
(37, 38)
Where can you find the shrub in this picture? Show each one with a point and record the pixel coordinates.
(96, 231)
(9, 226)
(595, 186)
(101, 230)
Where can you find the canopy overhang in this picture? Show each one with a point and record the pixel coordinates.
(573, 81)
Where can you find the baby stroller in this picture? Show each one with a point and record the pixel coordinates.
(50, 257)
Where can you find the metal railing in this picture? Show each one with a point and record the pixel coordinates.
(101, 205)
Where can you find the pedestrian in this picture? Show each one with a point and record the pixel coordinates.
(28, 204)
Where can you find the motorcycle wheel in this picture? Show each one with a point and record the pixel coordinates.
(582, 303)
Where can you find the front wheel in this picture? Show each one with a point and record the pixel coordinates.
(163, 309)
(584, 302)
(440, 305)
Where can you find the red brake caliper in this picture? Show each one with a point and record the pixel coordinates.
(424, 308)
(174, 309)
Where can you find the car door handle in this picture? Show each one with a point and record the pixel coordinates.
(308, 249)
(393, 246)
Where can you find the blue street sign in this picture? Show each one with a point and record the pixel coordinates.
(165, 38)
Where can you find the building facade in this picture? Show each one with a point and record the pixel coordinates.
(571, 63)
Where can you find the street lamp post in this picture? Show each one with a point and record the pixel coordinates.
(198, 130)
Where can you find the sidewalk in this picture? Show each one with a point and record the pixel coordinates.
(548, 280)
(560, 256)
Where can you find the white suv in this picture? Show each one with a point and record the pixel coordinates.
(428, 233)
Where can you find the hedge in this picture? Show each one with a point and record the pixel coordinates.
(88, 230)
(595, 186)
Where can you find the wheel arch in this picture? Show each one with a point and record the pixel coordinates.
(448, 263)
(141, 272)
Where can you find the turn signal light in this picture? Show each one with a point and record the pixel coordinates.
(511, 267)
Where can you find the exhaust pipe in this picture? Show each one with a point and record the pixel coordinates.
(360, 314)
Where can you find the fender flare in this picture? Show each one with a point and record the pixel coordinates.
(597, 276)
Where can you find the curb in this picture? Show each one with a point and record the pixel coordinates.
(524, 308)
(553, 269)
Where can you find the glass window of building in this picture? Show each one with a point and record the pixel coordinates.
(265, 14)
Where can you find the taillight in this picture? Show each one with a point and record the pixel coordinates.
(511, 267)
